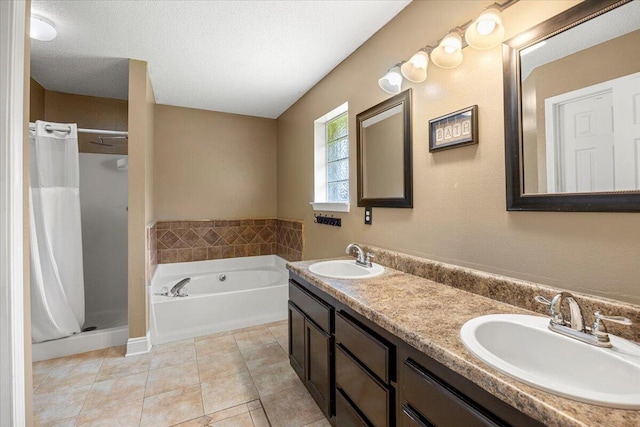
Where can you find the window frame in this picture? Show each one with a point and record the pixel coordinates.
(321, 178)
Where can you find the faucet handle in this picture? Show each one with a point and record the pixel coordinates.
(542, 300)
(599, 329)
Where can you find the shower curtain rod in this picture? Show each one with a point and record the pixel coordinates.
(50, 128)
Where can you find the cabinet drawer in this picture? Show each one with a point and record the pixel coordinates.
(312, 307)
(440, 405)
(368, 394)
(410, 418)
(346, 415)
(371, 351)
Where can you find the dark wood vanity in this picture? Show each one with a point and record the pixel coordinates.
(362, 375)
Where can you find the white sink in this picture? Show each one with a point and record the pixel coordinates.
(345, 269)
(523, 348)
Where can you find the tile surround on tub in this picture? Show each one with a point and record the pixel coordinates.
(519, 293)
(185, 241)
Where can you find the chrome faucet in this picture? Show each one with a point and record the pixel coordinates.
(177, 289)
(361, 258)
(596, 335)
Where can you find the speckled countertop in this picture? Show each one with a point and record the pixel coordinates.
(429, 315)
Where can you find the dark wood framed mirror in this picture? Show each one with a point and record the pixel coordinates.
(572, 111)
(385, 171)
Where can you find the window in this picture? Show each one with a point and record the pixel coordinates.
(331, 161)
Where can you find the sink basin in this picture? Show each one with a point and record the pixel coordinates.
(345, 269)
(523, 348)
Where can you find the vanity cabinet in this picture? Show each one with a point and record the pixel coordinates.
(362, 375)
(311, 344)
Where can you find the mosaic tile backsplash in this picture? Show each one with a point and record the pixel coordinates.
(185, 241)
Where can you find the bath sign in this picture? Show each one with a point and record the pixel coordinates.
(454, 130)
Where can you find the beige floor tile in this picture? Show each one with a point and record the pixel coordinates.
(228, 413)
(175, 353)
(38, 378)
(258, 337)
(171, 378)
(242, 420)
(75, 359)
(274, 378)
(222, 365)
(259, 418)
(293, 407)
(116, 365)
(228, 391)
(320, 423)
(126, 414)
(262, 357)
(196, 422)
(69, 422)
(67, 377)
(283, 340)
(43, 366)
(254, 404)
(112, 392)
(50, 407)
(173, 407)
(213, 345)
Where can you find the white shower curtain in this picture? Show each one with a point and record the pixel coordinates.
(57, 283)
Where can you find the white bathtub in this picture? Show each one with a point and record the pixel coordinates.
(254, 292)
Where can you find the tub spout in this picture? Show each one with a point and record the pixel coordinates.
(176, 290)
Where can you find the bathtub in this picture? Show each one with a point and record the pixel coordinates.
(224, 295)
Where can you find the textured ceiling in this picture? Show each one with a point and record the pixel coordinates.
(246, 57)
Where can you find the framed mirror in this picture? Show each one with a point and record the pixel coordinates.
(385, 175)
(572, 111)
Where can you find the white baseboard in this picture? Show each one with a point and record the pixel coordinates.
(139, 345)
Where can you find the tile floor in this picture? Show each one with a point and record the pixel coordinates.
(239, 378)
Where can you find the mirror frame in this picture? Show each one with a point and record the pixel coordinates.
(403, 98)
(628, 201)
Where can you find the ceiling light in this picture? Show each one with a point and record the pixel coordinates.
(392, 81)
(448, 54)
(42, 29)
(487, 31)
(415, 69)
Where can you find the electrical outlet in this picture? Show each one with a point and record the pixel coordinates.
(367, 215)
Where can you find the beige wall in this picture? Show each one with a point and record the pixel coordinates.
(141, 191)
(88, 112)
(36, 101)
(212, 165)
(459, 213)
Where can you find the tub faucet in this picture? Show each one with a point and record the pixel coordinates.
(361, 258)
(176, 290)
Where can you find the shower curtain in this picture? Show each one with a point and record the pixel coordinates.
(57, 283)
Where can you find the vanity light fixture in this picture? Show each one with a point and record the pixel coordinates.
(415, 69)
(42, 29)
(487, 31)
(392, 81)
(448, 54)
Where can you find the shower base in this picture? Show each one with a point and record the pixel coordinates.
(112, 330)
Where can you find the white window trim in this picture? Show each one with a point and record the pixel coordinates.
(12, 125)
(320, 163)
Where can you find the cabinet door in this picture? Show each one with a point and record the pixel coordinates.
(296, 340)
(318, 366)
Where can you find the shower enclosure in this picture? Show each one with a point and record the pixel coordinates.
(78, 244)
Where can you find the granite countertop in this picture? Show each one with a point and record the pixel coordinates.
(429, 315)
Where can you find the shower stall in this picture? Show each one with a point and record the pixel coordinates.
(78, 237)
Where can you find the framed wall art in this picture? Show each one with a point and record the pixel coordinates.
(454, 130)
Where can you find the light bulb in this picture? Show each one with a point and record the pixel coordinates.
(452, 42)
(487, 31)
(486, 26)
(392, 81)
(415, 70)
(448, 54)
